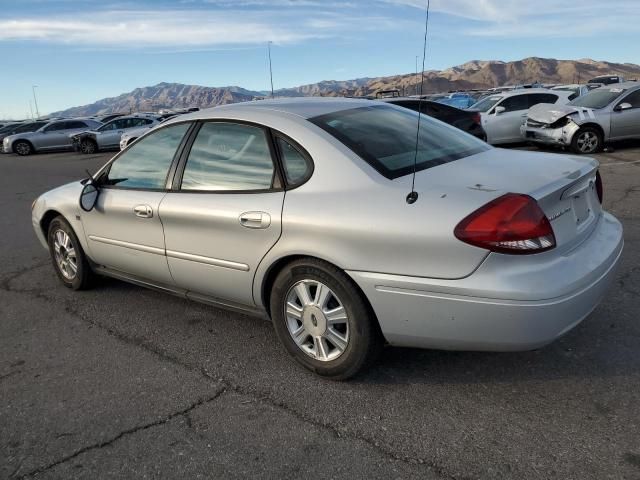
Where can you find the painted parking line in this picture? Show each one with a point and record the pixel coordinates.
(613, 164)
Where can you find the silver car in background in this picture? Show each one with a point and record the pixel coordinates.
(576, 90)
(298, 210)
(54, 136)
(605, 114)
(503, 113)
(108, 136)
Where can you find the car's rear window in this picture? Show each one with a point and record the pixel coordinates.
(385, 137)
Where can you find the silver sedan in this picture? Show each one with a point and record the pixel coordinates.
(298, 210)
(607, 114)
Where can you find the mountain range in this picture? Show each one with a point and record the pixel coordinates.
(475, 74)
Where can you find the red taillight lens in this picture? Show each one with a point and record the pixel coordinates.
(477, 118)
(512, 223)
(599, 190)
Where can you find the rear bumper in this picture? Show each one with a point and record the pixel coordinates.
(508, 304)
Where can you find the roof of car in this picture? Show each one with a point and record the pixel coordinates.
(306, 107)
(623, 85)
(522, 91)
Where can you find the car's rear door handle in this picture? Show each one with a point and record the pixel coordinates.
(255, 219)
(143, 211)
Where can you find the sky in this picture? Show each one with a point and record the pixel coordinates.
(79, 51)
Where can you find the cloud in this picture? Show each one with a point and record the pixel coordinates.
(195, 28)
(520, 18)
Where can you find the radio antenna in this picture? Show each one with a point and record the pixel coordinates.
(413, 195)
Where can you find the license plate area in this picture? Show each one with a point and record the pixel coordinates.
(581, 208)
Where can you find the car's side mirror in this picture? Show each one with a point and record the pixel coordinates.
(623, 106)
(89, 197)
(498, 110)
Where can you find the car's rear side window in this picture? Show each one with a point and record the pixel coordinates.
(227, 157)
(297, 167)
(385, 137)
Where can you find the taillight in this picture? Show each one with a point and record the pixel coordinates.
(477, 118)
(512, 223)
(599, 190)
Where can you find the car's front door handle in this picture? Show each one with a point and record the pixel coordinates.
(255, 219)
(143, 211)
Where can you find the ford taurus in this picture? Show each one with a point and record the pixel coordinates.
(298, 210)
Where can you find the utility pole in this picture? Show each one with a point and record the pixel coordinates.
(33, 89)
(270, 69)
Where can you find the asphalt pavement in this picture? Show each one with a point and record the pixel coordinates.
(124, 382)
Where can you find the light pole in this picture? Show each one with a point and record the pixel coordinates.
(270, 69)
(31, 109)
(416, 74)
(35, 100)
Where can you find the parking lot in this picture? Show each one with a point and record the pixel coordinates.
(121, 381)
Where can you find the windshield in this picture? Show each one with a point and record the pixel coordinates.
(599, 98)
(385, 137)
(486, 103)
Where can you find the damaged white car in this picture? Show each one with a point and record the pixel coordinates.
(606, 114)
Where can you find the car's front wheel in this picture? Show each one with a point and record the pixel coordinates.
(23, 148)
(69, 260)
(587, 140)
(88, 146)
(323, 320)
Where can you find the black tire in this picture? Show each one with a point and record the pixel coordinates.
(23, 148)
(84, 276)
(88, 146)
(587, 134)
(131, 140)
(365, 340)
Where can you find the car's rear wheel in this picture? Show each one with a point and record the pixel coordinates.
(69, 260)
(587, 140)
(88, 146)
(323, 320)
(23, 148)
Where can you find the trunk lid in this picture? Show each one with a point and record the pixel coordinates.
(563, 185)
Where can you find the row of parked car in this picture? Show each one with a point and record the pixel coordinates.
(582, 117)
(86, 135)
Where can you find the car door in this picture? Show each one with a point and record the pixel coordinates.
(51, 137)
(504, 127)
(111, 137)
(626, 123)
(124, 231)
(71, 127)
(224, 214)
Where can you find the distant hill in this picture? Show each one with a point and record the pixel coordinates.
(474, 74)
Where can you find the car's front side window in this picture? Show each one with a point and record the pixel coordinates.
(55, 127)
(147, 162)
(107, 126)
(515, 103)
(228, 157)
(633, 99)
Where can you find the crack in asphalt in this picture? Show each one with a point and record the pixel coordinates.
(625, 195)
(124, 433)
(228, 385)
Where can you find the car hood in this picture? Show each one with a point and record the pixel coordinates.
(550, 113)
